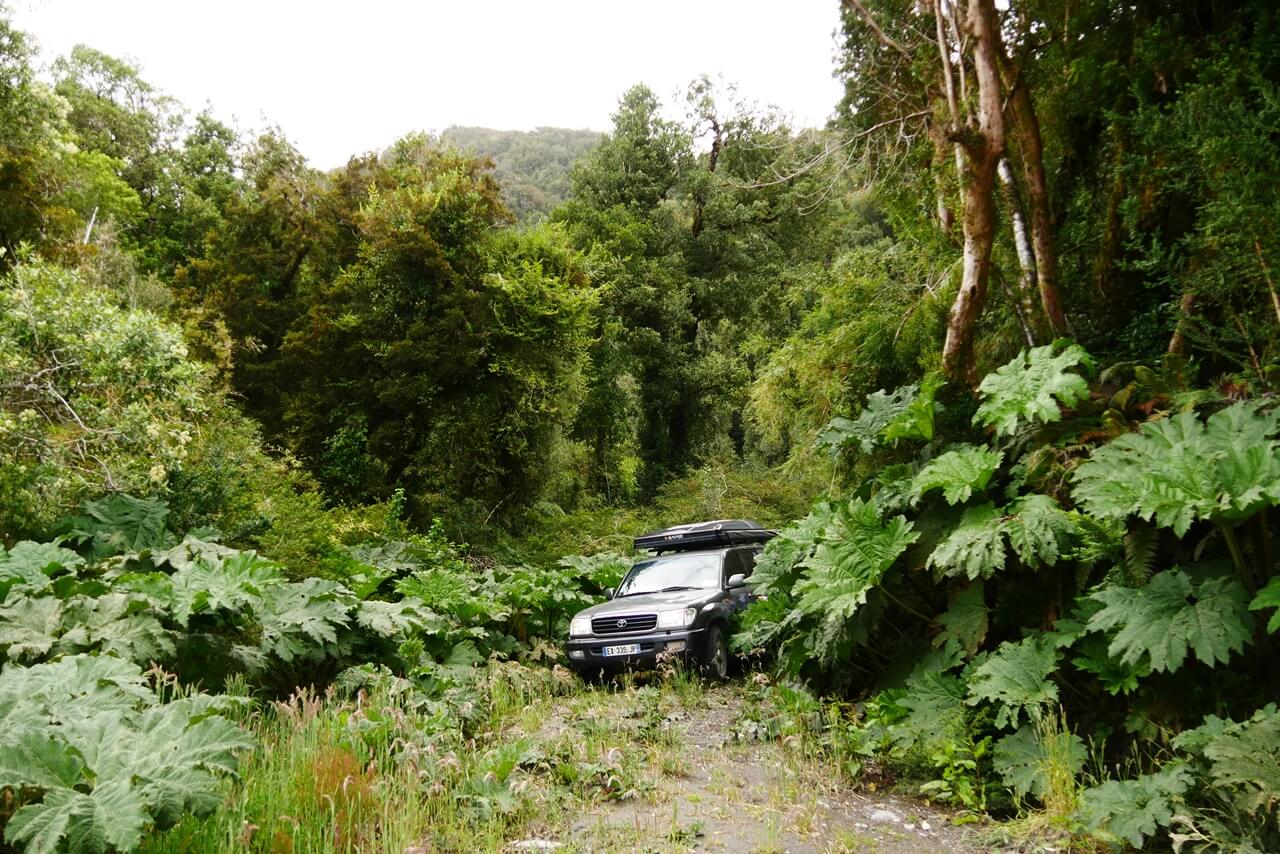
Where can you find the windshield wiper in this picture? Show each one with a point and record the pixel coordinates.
(651, 592)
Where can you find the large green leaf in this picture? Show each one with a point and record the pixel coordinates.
(1037, 527)
(1034, 525)
(975, 547)
(32, 629)
(778, 566)
(1269, 597)
(958, 473)
(1181, 469)
(1026, 758)
(1015, 678)
(95, 757)
(966, 620)
(934, 702)
(1244, 757)
(905, 413)
(34, 564)
(855, 551)
(35, 758)
(1032, 388)
(1160, 622)
(1135, 809)
(111, 817)
(119, 524)
(230, 585)
(302, 620)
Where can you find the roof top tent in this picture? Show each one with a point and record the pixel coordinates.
(704, 535)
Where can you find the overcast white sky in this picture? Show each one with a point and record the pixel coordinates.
(343, 78)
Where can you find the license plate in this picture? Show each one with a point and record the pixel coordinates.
(622, 649)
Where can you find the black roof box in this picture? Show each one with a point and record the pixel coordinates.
(704, 535)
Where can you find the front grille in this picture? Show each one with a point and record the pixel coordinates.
(617, 624)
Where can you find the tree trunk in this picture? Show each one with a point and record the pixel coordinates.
(1178, 342)
(1031, 146)
(984, 146)
(1028, 312)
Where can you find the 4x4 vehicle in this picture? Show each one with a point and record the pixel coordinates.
(679, 600)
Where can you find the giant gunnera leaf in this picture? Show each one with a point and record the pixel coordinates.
(855, 550)
(1160, 622)
(1033, 387)
(1034, 525)
(1027, 758)
(1244, 758)
(958, 473)
(1269, 597)
(90, 757)
(1135, 809)
(1181, 469)
(1015, 678)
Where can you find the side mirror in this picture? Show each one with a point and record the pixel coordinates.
(737, 581)
(608, 593)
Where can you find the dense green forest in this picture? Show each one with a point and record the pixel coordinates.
(997, 351)
(532, 167)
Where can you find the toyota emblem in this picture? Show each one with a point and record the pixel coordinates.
(622, 624)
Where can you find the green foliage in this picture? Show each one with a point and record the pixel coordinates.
(1032, 388)
(1242, 758)
(531, 166)
(1269, 597)
(33, 565)
(1134, 809)
(1023, 758)
(1034, 525)
(967, 620)
(958, 473)
(975, 547)
(855, 551)
(94, 758)
(1180, 469)
(1015, 678)
(906, 413)
(97, 397)
(1157, 624)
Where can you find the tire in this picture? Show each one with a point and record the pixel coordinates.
(715, 654)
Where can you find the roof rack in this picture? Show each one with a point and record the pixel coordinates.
(704, 535)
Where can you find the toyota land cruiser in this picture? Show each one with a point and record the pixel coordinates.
(679, 600)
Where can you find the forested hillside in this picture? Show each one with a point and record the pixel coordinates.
(997, 351)
(532, 167)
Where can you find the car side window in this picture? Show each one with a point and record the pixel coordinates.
(734, 563)
(749, 558)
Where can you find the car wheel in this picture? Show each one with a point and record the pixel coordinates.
(715, 658)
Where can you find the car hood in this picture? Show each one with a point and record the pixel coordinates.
(648, 603)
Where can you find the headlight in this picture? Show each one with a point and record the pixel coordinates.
(676, 619)
(580, 627)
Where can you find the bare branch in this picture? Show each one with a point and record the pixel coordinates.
(885, 38)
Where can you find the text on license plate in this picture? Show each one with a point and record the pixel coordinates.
(622, 649)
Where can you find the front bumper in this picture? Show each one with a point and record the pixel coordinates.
(587, 654)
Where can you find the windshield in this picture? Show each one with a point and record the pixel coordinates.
(689, 571)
